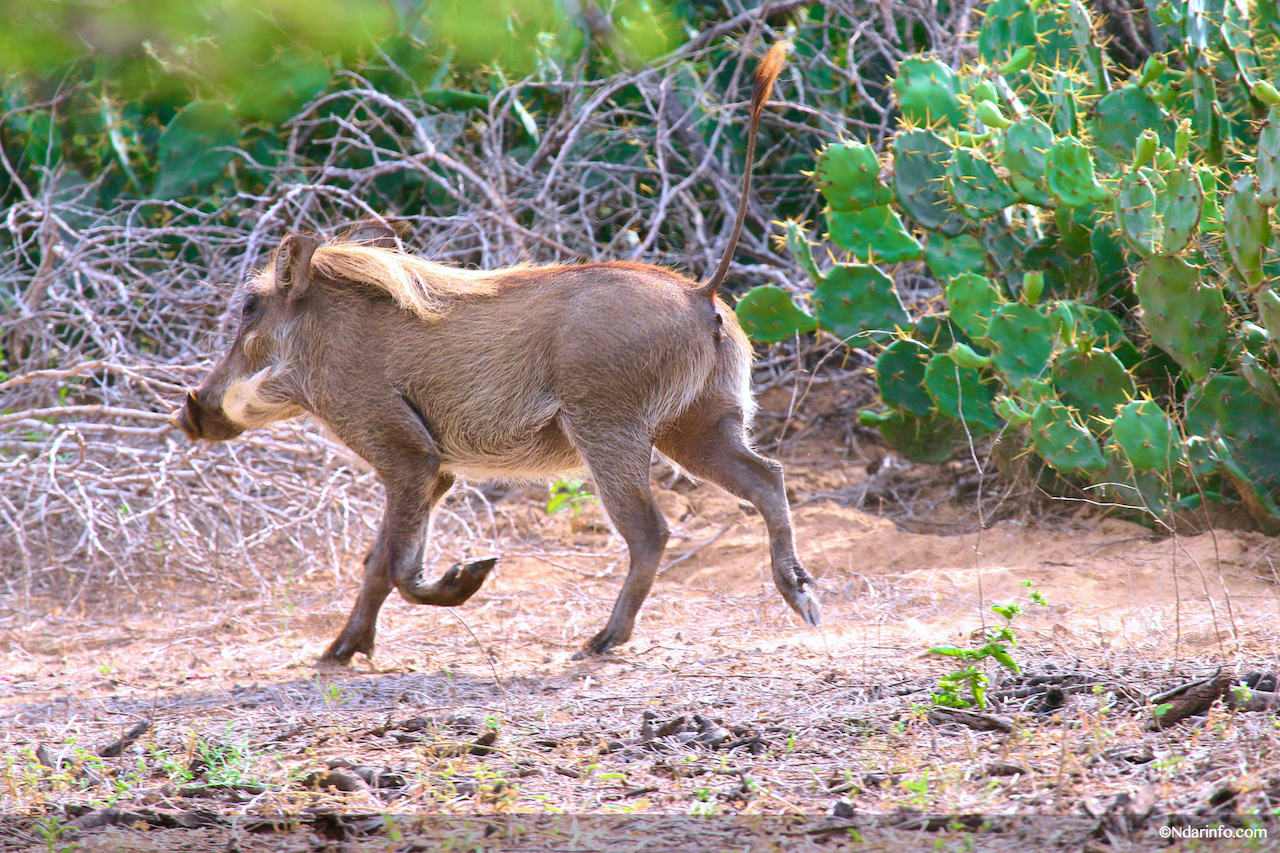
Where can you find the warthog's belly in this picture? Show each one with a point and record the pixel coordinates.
(535, 455)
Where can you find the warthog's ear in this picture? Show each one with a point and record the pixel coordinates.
(293, 264)
(379, 234)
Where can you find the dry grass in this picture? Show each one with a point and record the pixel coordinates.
(191, 588)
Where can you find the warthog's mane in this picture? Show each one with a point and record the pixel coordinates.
(419, 286)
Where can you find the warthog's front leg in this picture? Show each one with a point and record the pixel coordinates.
(395, 561)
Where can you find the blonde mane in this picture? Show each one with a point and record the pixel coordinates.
(419, 286)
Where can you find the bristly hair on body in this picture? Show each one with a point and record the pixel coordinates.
(419, 286)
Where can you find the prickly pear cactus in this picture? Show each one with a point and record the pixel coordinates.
(1101, 240)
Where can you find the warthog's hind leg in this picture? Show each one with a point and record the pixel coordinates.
(709, 442)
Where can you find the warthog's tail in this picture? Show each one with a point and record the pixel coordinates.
(766, 73)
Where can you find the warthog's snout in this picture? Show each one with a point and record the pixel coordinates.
(197, 420)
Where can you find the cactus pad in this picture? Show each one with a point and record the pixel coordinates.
(920, 166)
(973, 299)
(1070, 174)
(1248, 229)
(1120, 117)
(1024, 152)
(800, 248)
(900, 376)
(1185, 315)
(952, 256)
(768, 314)
(960, 393)
(975, 185)
(1225, 408)
(1007, 25)
(1062, 440)
(1181, 207)
(853, 299)
(1267, 164)
(927, 92)
(874, 235)
(1092, 381)
(932, 439)
(1135, 210)
(1021, 338)
(848, 174)
(1147, 436)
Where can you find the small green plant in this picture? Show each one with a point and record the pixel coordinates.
(331, 692)
(918, 789)
(967, 686)
(51, 830)
(574, 494)
(175, 768)
(224, 765)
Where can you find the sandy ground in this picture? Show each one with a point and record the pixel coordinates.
(723, 707)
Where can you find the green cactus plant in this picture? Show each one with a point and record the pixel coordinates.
(1105, 273)
(1093, 381)
(800, 248)
(900, 374)
(973, 299)
(978, 190)
(960, 393)
(1267, 163)
(1120, 117)
(921, 160)
(768, 314)
(1147, 436)
(1070, 174)
(1022, 342)
(952, 256)
(848, 174)
(1024, 152)
(873, 235)
(1063, 441)
(1247, 229)
(927, 92)
(1185, 315)
(853, 301)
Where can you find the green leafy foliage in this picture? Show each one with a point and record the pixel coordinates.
(569, 494)
(195, 148)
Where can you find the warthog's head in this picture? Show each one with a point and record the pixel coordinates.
(254, 382)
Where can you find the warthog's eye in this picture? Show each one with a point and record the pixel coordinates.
(249, 308)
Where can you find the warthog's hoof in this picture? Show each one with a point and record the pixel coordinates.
(343, 649)
(600, 644)
(796, 586)
(463, 579)
(454, 587)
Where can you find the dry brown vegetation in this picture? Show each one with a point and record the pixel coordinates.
(723, 724)
(190, 588)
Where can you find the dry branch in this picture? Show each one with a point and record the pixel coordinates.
(108, 314)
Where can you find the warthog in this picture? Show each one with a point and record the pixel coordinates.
(428, 371)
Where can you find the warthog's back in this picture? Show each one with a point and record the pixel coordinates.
(508, 361)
